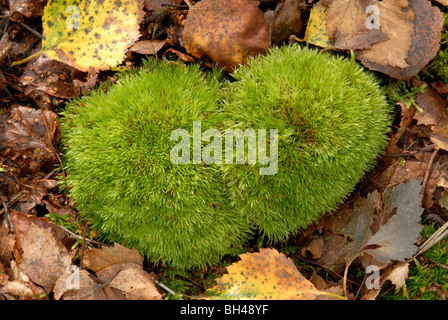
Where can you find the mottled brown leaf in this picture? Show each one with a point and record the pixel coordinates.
(161, 4)
(229, 32)
(57, 79)
(44, 256)
(27, 136)
(286, 20)
(98, 259)
(131, 280)
(427, 28)
(148, 46)
(27, 8)
(434, 115)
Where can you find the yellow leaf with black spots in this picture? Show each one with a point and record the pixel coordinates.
(316, 31)
(90, 34)
(267, 275)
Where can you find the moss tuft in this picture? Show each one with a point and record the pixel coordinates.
(117, 153)
(332, 118)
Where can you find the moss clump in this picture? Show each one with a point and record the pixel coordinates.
(117, 153)
(332, 118)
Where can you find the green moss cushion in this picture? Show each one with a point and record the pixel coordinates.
(332, 119)
(330, 115)
(117, 154)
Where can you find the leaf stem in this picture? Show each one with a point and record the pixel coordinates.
(334, 295)
(15, 63)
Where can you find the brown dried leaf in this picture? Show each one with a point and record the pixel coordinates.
(7, 241)
(399, 274)
(148, 46)
(54, 78)
(345, 18)
(161, 4)
(285, 20)
(131, 280)
(23, 290)
(315, 247)
(434, 115)
(27, 136)
(397, 22)
(66, 289)
(229, 32)
(181, 55)
(99, 259)
(27, 8)
(427, 28)
(44, 256)
(36, 190)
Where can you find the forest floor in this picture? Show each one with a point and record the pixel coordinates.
(35, 212)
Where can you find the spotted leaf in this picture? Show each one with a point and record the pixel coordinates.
(266, 275)
(89, 34)
(316, 31)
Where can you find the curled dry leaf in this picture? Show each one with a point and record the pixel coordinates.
(148, 46)
(7, 241)
(36, 190)
(412, 27)
(285, 20)
(99, 259)
(434, 115)
(43, 256)
(229, 32)
(399, 275)
(23, 290)
(131, 280)
(27, 8)
(161, 4)
(27, 136)
(54, 78)
(120, 275)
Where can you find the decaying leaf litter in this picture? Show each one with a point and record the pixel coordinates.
(379, 225)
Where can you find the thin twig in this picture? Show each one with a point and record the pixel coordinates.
(27, 27)
(5, 208)
(440, 234)
(84, 231)
(188, 3)
(428, 170)
(163, 286)
(437, 263)
(324, 267)
(74, 235)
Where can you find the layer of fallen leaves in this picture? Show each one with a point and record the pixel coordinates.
(380, 225)
(406, 39)
(40, 265)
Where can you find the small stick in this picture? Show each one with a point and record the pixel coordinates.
(27, 27)
(428, 170)
(74, 235)
(163, 286)
(81, 258)
(11, 226)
